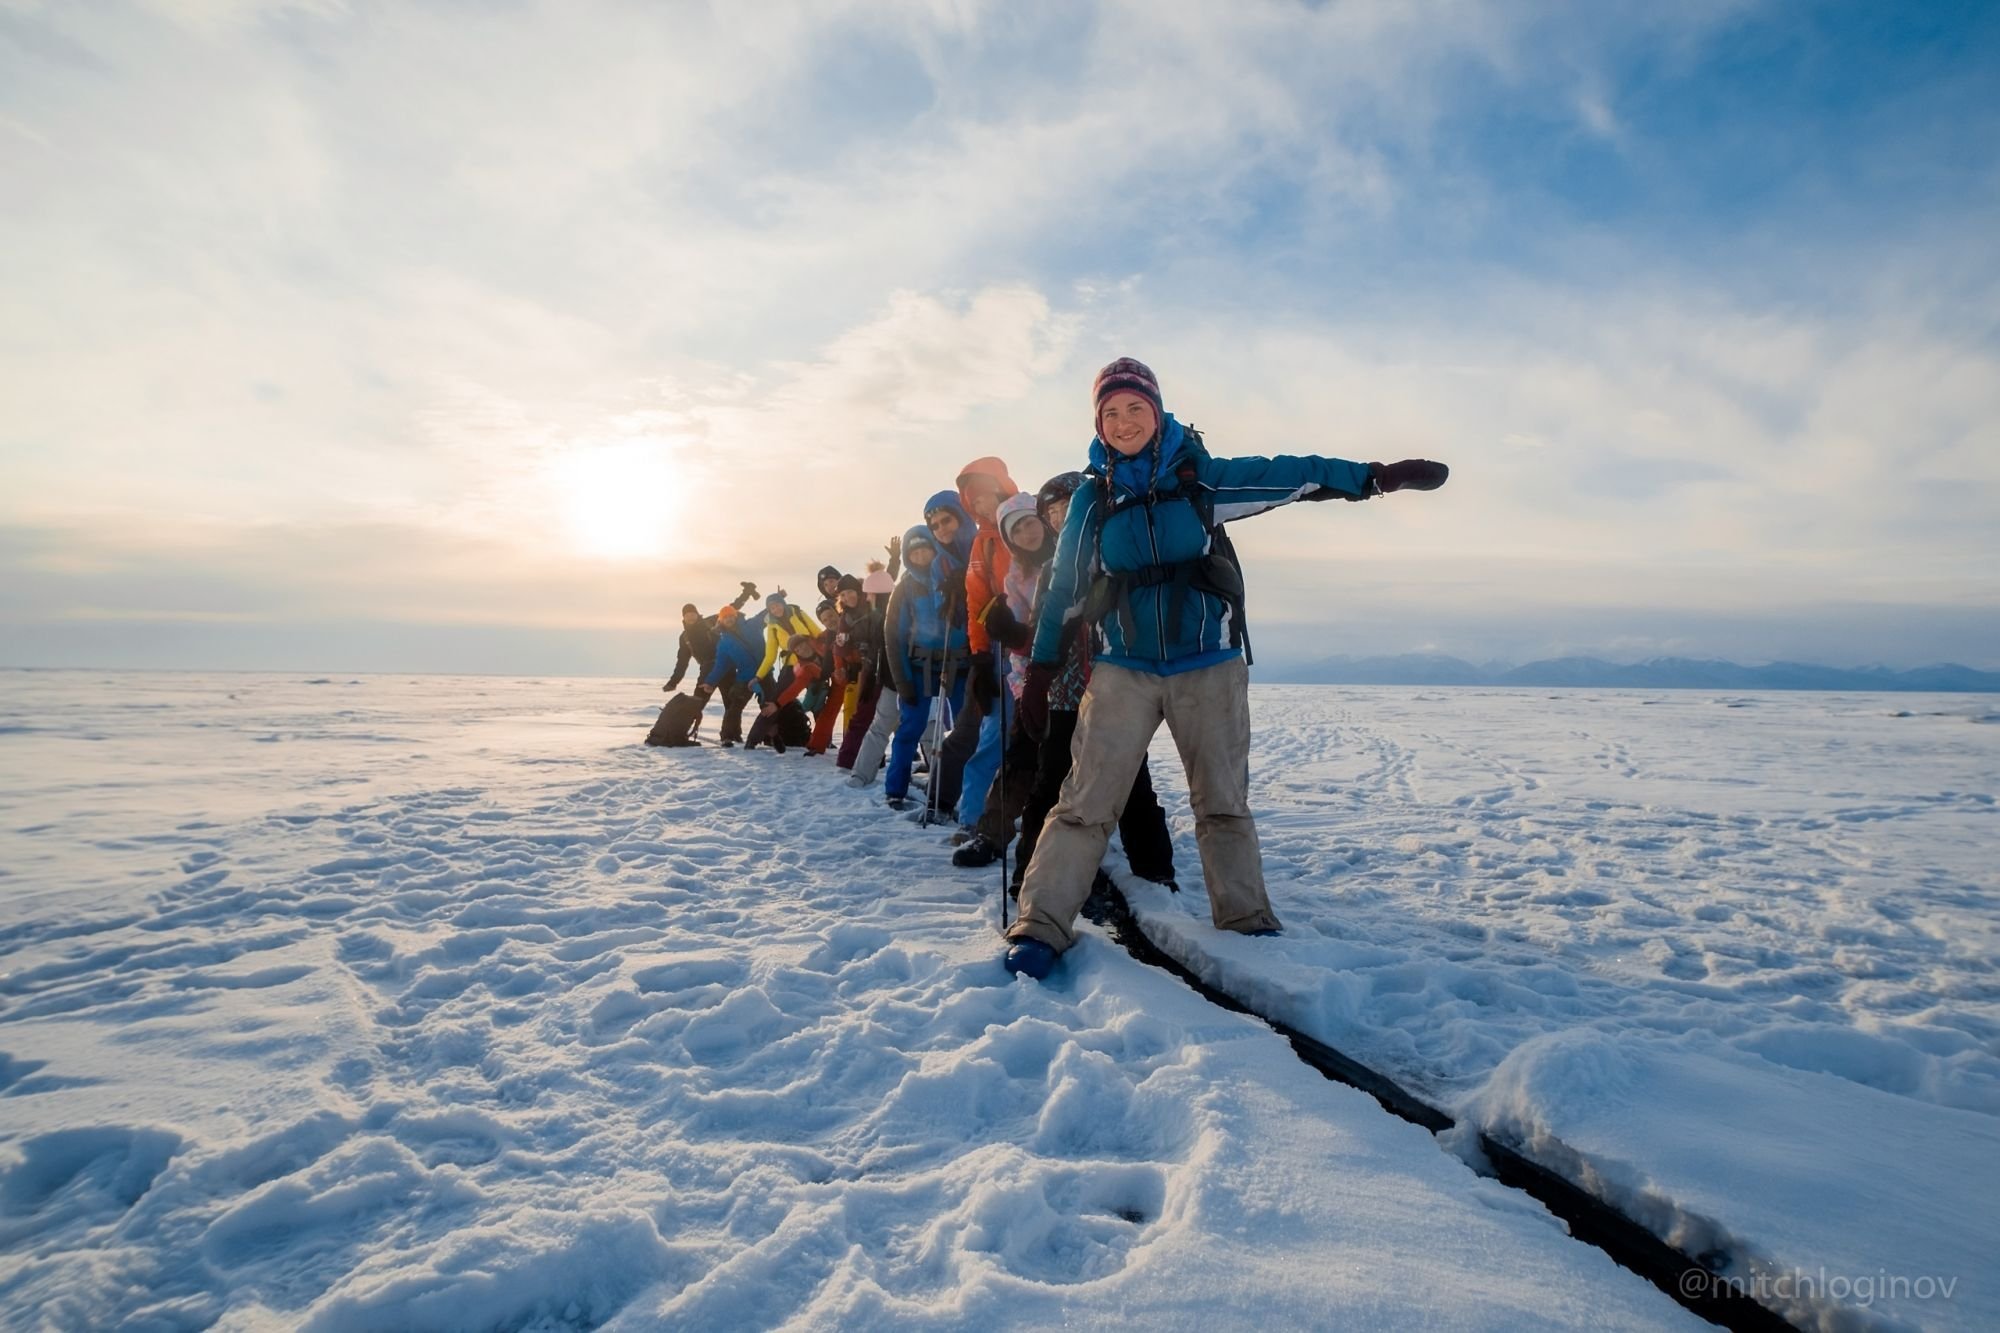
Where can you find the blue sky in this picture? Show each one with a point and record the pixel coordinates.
(449, 337)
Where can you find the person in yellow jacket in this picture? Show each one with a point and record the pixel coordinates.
(781, 621)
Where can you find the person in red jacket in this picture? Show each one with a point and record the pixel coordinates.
(845, 641)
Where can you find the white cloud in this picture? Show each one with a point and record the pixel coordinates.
(413, 271)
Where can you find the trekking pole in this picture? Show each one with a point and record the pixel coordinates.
(1007, 838)
(947, 718)
(946, 713)
(933, 731)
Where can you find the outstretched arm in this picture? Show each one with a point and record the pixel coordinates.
(1246, 486)
(803, 676)
(1412, 474)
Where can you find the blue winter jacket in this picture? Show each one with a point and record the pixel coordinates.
(959, 553)
(915, 622)
(1166, 533)
(735, 650)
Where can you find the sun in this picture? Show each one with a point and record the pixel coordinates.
(618, 500)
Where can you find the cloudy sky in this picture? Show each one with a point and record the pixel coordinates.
(480, 336)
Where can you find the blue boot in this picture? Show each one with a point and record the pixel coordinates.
(1032, 957)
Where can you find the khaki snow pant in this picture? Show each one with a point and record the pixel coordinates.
(1208, 712)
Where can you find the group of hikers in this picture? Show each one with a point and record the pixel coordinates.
(1023, 649)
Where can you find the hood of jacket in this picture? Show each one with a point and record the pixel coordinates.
(921, 536)
(1023, 504)
(985, 467)
(960, 549)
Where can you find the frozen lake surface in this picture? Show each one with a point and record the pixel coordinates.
(385, 1002)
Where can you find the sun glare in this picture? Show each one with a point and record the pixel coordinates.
(617, 499)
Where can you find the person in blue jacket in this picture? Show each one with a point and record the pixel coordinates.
(738, 652)
(1142, 557)
(951, 530)
(925, 645)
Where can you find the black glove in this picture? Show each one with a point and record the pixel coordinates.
(908, 694)
(1034, 707)
(1000, 623)
(673, 684)
(1412, 474)
(985, 681)
(749, 588)
(954, 587)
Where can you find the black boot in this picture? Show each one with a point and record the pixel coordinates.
(976, 853)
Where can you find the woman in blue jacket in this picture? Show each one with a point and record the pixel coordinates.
(1139, 557)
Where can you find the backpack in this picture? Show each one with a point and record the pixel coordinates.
(676, 723)
(1218, 572)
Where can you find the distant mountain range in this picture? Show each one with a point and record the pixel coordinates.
(1659, 673)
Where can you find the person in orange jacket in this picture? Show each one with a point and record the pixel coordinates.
(983, 485)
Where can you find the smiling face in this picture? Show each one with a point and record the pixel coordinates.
(1028, 534)
(850, 597)
(1127, 422)
(944, 525)
(1058, 512)
(689, 619)
(920, 557)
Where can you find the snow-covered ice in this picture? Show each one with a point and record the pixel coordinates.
(1731, 960)
(377, 1002)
